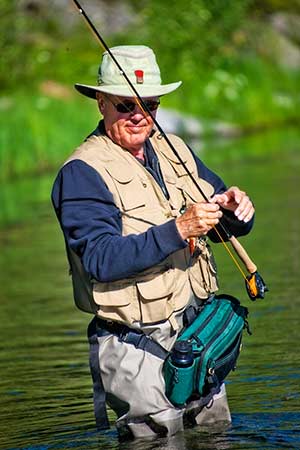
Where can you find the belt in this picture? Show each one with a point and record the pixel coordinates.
(130, 336)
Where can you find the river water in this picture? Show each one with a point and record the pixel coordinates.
(45, 387)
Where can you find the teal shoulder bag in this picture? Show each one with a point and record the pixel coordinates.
(206, 351)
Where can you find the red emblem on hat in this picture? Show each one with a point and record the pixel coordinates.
(139, 76)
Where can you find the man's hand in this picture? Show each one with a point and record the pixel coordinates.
(237, 201)
(198, 219)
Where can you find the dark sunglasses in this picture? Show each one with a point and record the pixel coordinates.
(128, 106)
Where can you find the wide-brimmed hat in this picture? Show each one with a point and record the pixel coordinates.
(140, 65)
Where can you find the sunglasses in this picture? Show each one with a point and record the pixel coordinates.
(128, 106)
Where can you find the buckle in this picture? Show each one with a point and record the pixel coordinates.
(142, 341)
(123, 335)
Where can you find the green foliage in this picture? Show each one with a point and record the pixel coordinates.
(277, 5)
(189, 36)
(208, 44)
(37, 132)
(36, 44)
(247, 92)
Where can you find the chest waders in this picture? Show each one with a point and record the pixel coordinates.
(203, 355)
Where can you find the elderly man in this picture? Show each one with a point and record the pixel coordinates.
(129, 213)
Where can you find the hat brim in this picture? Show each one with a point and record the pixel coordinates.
(125, 91)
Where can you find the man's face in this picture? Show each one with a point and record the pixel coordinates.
(130, 128)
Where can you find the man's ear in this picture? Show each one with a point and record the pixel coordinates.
(100, 101)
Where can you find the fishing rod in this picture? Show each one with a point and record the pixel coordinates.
(255, 285)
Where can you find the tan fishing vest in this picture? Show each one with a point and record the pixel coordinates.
(154, 294)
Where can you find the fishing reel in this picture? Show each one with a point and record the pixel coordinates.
(255, 286)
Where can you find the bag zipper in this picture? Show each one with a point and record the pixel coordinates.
(222, 361)
(208, 318)
(210, 343)
(203, 325)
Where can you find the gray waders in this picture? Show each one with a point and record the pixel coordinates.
(126, 366)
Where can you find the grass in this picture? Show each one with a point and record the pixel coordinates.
(40, 128)
(38, 132)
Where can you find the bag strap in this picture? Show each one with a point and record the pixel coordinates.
(207, 400)
(131, 336)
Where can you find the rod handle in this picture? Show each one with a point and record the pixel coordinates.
(251, 267)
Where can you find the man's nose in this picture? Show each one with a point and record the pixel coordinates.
(139, 110)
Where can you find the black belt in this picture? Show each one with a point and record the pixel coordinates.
(131, 336)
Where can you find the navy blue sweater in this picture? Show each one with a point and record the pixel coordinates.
(92, 223)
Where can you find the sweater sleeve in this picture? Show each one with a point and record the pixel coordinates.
(229, 221)
(92, 227)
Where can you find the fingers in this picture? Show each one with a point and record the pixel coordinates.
(198, 219)
(236, 194)
(245, 210)
(220, 199)
(206, 212)
(237, 201)
(232, 196)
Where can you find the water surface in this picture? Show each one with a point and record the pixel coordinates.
(45, 387)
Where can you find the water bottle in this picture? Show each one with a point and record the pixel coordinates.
(179, 373)
(182, 354)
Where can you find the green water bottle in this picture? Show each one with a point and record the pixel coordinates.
(179, 373)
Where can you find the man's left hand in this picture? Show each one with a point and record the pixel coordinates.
(237, 201)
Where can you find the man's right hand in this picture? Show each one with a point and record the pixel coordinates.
(198, 219)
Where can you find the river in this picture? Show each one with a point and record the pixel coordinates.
(45, 387)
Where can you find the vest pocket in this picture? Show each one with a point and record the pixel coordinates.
(114, 300)
(129, 187)
(156, 297)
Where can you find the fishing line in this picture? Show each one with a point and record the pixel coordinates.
(251, 267)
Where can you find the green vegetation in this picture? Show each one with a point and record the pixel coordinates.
(223, 50)
(218, 48)
(38, 131)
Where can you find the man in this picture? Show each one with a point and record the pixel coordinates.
(136, 232)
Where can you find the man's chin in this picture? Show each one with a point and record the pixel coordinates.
(137, 138)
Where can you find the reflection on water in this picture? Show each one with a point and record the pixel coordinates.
(45, 387)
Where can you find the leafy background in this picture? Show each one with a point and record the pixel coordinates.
(239, 61)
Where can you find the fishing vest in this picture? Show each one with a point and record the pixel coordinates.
(154, 294)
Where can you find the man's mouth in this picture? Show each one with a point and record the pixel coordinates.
(135, 128)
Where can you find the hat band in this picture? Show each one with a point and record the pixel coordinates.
(149, 78)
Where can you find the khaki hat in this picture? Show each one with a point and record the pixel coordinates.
(139, 64)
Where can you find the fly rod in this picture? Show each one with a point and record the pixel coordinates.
(255, 285)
